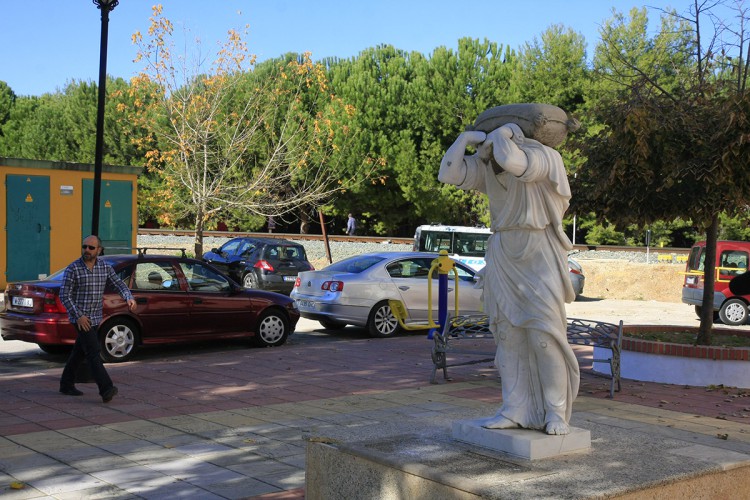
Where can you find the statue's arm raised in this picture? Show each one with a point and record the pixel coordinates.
(506, 152)
(453, 167)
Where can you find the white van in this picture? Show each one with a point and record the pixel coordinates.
(465, 244)
(468, 245)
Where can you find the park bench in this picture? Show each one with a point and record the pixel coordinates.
(463, 332)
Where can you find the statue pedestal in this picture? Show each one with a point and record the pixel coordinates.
(650, 461)
(523, 443)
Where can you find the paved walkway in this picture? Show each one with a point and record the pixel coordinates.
(232, 422)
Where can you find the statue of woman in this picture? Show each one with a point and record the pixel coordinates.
(525, 281)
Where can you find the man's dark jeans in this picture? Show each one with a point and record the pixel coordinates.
(86, 348)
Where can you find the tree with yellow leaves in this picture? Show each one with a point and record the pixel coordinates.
(234, 138)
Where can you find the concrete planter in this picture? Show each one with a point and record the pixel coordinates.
(651, 361)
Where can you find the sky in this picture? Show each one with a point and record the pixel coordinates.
(48, 43)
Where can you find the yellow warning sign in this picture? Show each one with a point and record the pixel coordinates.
(107, 204)
(29, 199)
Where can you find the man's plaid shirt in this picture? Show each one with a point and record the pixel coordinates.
(82, 290)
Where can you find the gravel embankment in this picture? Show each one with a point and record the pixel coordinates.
(635, 257)
(315, 249)
(341, 250)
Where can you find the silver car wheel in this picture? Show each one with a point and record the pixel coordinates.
(272, 331)
(382, 321)
(733, 312)
(118, 341)
(250, 281)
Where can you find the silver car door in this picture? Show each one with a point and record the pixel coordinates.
(410, 278)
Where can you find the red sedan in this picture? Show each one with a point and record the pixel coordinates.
(179, 300)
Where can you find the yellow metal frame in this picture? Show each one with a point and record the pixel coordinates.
(444, 265)
(717, 273)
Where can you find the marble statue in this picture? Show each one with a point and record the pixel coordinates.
(525, 281)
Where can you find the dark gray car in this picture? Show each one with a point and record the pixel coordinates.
(261, 263)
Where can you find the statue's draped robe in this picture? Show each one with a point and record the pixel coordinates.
(526, 281)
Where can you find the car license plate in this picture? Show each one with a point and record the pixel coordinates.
(23, 301)
(290, 278)
(307, 304)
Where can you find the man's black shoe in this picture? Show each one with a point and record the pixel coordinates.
(70, 391)
(109, 394)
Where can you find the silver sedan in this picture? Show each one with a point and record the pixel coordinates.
(356, 291)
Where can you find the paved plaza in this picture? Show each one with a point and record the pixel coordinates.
(232, 422)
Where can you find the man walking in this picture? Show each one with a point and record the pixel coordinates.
(81, 293)
(351, 225)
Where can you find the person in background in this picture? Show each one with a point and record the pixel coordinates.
(351, 225)
(81, 293)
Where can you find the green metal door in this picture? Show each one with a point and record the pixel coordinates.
(115, 214)
(27, 226)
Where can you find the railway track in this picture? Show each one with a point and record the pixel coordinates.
(286, 236)
(380, 239)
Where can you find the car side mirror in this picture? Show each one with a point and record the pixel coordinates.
(215, 250)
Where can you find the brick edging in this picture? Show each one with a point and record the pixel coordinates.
(716, 353)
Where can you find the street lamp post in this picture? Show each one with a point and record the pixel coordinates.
(106, 6)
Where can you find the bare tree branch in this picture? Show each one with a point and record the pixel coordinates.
(232, 140)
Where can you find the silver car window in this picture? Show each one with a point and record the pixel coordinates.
(420, 268)
(355, 264)
(464, 273)
(410, 268)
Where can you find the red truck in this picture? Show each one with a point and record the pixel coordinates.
(731, 261)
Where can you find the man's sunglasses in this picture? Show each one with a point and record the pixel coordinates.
(88, 247)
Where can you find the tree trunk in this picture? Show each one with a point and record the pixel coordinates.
(709, 277)
(325, 237)
(199, 234)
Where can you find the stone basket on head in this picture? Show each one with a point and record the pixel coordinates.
(545, 123)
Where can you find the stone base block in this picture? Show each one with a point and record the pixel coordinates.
(624, 463)
(522, 443)
(408, 467)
